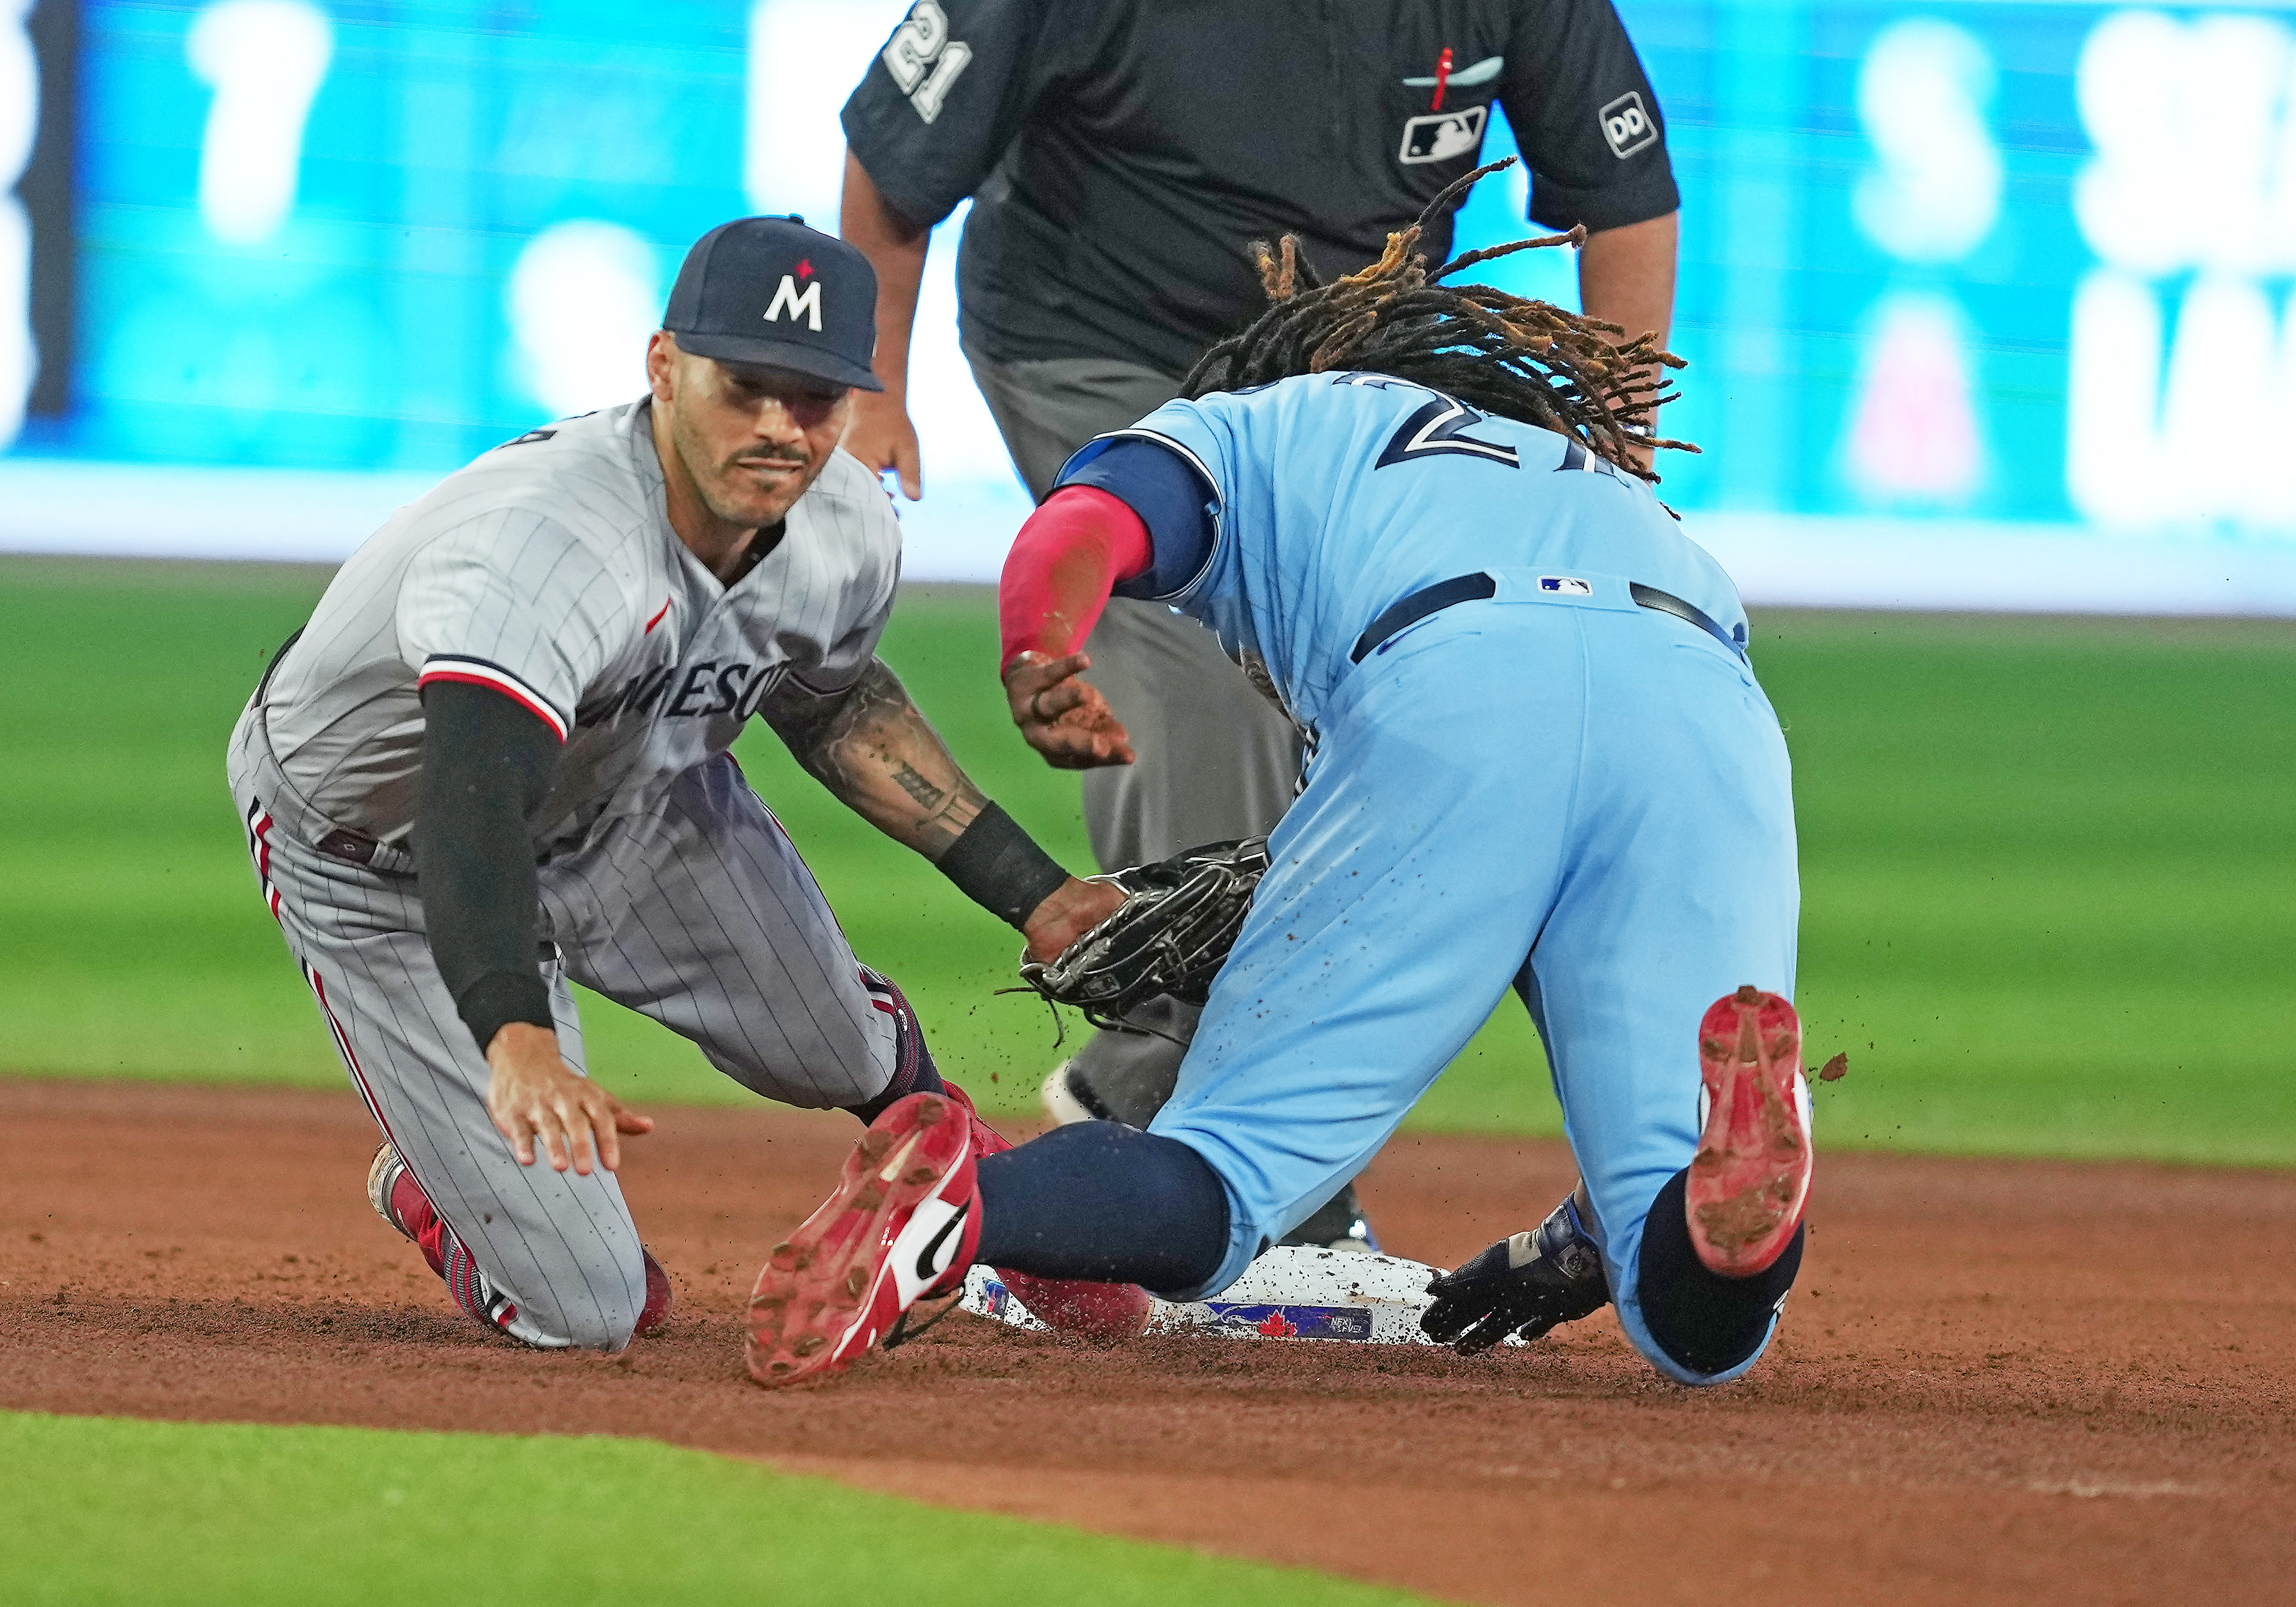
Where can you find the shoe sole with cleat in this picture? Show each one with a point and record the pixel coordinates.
(1750, 1177)
(895, 1232)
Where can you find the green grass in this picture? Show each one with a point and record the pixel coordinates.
(109, 1510)
(2046, 869)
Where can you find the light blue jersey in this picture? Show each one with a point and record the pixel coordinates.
(1335, 495)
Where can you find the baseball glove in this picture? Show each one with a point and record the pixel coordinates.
(1171, 935)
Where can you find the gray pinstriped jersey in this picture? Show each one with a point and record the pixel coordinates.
(547, 570)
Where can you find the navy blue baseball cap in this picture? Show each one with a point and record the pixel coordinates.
(770, 290)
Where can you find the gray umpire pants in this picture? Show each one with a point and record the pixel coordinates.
(1216, 760)
(696, 911)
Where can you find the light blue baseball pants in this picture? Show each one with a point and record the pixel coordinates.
(1582, 797)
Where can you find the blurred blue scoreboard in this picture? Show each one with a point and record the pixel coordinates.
(1987, 305)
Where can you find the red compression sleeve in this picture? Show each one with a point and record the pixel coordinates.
(1066, 559)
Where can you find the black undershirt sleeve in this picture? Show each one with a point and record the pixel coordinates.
(487, 763)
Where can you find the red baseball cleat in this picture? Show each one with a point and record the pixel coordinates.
(399, 1200)
(1065, 1305)
(1751, 1176)
(901, 1227)
(654, 1315)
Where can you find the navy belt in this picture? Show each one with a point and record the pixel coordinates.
(1471, 588)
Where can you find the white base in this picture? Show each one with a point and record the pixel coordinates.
(1293, 1292)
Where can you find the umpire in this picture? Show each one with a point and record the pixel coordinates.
(1121, 156)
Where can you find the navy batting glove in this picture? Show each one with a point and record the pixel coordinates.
(1529, 1283)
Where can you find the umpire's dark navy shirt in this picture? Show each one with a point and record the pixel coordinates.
(1125, 151)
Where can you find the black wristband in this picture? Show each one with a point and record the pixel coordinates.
(499, 998)
(999, 867)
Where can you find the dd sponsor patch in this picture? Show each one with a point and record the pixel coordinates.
(1439, 136)
(1293, 1322)
(1627, 126)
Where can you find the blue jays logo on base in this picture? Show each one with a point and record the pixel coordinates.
(1293, 1322)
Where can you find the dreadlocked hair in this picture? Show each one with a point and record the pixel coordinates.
(1507, 354)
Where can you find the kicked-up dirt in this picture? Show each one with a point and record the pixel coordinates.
(1996, 1382)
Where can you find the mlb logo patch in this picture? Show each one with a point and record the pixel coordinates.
(1627, 127)
(1566, 585)
(1438, 136)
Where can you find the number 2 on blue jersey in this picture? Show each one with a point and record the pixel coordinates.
(1435, 428)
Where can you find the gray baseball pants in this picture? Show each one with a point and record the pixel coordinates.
(1216, 760)
(696, 911)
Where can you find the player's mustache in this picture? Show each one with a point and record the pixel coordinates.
(795, 456)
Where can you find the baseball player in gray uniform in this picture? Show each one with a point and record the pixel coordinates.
(496, 762)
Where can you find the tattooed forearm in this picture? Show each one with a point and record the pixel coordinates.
(871, 747)
(925, 793)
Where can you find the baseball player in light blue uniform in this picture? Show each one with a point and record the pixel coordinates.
(1552, 786)
(1539, 759)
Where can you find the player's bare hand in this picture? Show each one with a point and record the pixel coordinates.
(882, 437)
(539, 1103)
(1063, 717)
(1073, 909)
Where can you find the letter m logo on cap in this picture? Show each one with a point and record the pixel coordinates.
(807, 306)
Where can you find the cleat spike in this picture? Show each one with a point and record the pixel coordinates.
(1748, 995)
(893, 1167)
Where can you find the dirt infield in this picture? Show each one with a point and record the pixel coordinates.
(1996, 1382)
